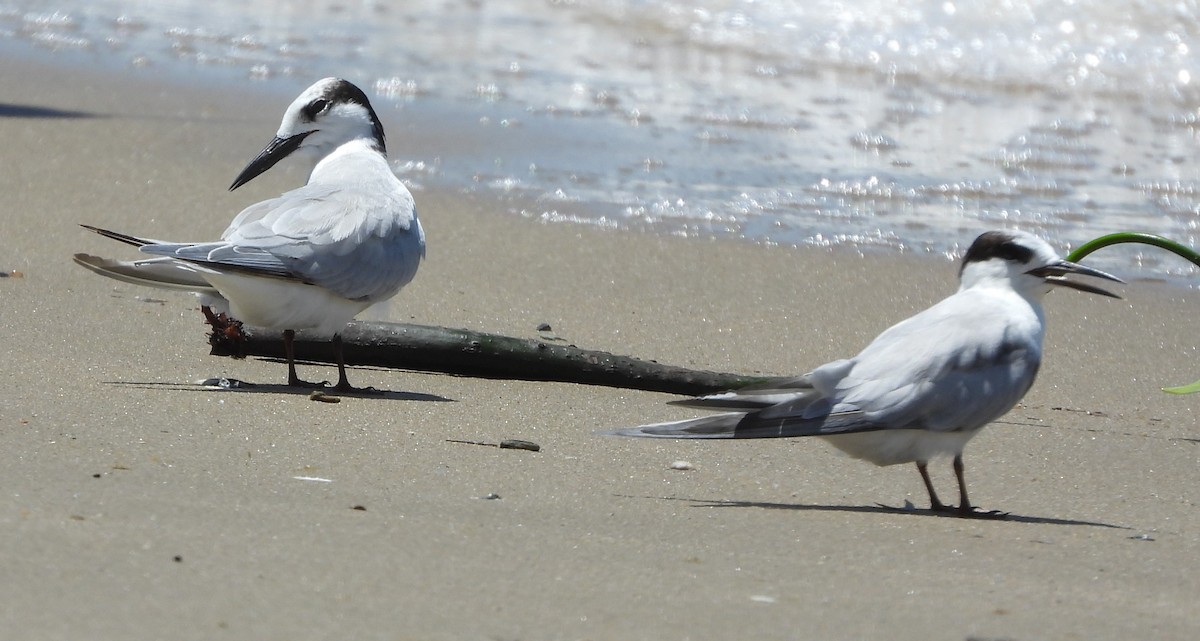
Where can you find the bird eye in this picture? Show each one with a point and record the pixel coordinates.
(315, 108)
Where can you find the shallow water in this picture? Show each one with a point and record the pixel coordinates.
(880, 125)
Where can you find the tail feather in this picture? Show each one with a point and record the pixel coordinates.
(796, 392)
(759, 424)
(164, 273)
(714, 426)
(727, 404)
(122, 238)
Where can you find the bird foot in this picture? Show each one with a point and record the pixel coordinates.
(907, 507)
(347, 388)
(303, 384)
(969, 511)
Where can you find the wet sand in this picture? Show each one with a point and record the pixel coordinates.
(138, 505)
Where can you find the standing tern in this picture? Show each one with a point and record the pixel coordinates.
(923, 387)
(314, 257)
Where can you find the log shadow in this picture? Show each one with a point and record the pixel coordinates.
(242, 387)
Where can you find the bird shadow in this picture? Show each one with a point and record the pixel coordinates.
(882, 509)
(10, 110)
(234, 386)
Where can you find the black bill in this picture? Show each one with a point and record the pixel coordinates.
(276, 150)
(1057, 273)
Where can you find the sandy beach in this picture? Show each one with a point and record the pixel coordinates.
(139, 505)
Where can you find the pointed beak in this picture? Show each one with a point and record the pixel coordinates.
(277, 150)
(1056, 274)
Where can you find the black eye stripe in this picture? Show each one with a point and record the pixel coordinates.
(997, 245)
(1013, 251)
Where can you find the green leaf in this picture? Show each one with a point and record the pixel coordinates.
(1183, 389)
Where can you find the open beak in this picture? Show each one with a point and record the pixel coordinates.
(1056, 274)
(277, 150)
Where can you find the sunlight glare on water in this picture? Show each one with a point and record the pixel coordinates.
(880, 125)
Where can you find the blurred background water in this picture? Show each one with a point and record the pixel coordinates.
(881, 125)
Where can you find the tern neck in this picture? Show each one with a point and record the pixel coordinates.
(359, 157)
(994, 274)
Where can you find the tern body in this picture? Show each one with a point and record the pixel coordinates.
(313, 257)
(925, 386)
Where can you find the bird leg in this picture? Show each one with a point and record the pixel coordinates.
(964, 509)
(934, 503)
(343, 384)
(964, 504)
(289, 337)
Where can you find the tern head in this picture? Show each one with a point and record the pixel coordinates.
(1025, 263)
(327, 115)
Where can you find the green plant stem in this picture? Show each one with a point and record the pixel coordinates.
(1187, 253)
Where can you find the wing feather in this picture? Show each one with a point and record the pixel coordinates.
(953, 367)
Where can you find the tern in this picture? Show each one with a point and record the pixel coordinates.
(923, 387)
(312, 258)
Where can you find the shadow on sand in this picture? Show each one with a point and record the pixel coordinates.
(234, 386)
(880, 509)
(9, 110)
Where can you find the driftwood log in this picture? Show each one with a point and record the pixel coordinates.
(467, 353)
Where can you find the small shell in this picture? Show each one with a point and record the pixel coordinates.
(682, 465)
(324, 398)
(224, 383)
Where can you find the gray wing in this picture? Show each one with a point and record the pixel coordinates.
(362, 243)
(222, 255)
(956, 366)
(361, 240)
